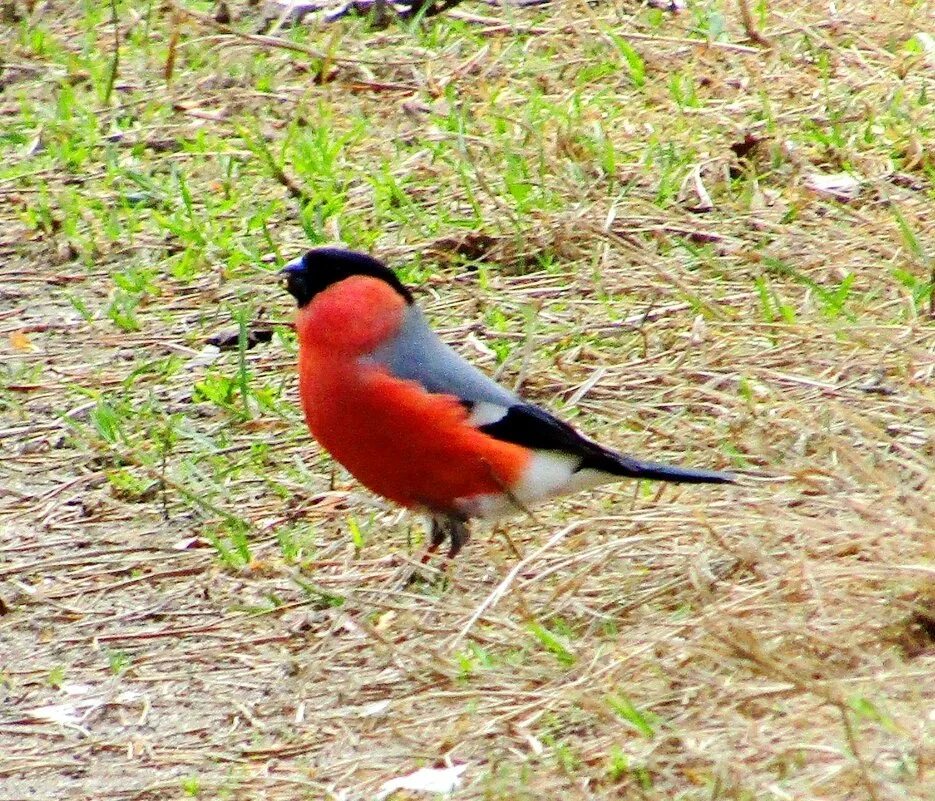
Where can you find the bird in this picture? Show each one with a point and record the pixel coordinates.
(416, 423)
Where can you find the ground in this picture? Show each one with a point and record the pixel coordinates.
(702, 241)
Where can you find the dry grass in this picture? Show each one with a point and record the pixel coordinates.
(628, 231)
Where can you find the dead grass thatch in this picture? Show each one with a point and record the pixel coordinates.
(701, 244)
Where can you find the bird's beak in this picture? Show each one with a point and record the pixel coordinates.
(288, 274)
(291, 267)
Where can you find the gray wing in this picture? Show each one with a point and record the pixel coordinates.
(417, 354)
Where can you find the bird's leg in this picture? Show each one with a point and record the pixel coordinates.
(436, 539)
(439, 532)
(447, 527)
(455, 529)
(442, 528)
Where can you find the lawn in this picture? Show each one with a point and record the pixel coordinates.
(700, 239)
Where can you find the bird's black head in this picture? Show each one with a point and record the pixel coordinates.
(319, 268)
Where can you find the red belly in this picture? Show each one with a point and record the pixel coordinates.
(402, 442)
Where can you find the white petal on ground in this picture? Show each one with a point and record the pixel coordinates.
(839, 185)
(207, 355)
(376, 708)
(85, 701)
(426, 780)
(926, 43)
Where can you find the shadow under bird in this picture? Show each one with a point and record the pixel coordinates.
(416, 423)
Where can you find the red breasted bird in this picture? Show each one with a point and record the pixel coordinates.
(415, 422)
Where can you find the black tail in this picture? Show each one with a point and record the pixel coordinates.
(627, 467)
(532, 427)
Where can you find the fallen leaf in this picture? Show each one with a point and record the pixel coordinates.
(376, 708)
(744, 146)
(207, 355)
(20, 341)
(425, 780)
(840, 185)
(699, 331)
(189, 543)
(385, 621)
(74, 688)
(63, 714)
(926, 43)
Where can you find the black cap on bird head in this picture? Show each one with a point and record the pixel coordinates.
(319, 268)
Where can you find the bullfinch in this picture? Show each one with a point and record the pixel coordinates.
(416, 423)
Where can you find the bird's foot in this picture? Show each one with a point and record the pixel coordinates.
(422, 576)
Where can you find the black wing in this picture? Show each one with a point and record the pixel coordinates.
(532, 427)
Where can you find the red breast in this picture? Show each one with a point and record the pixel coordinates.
(400, 441)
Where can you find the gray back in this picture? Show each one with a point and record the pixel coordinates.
(419, 355)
